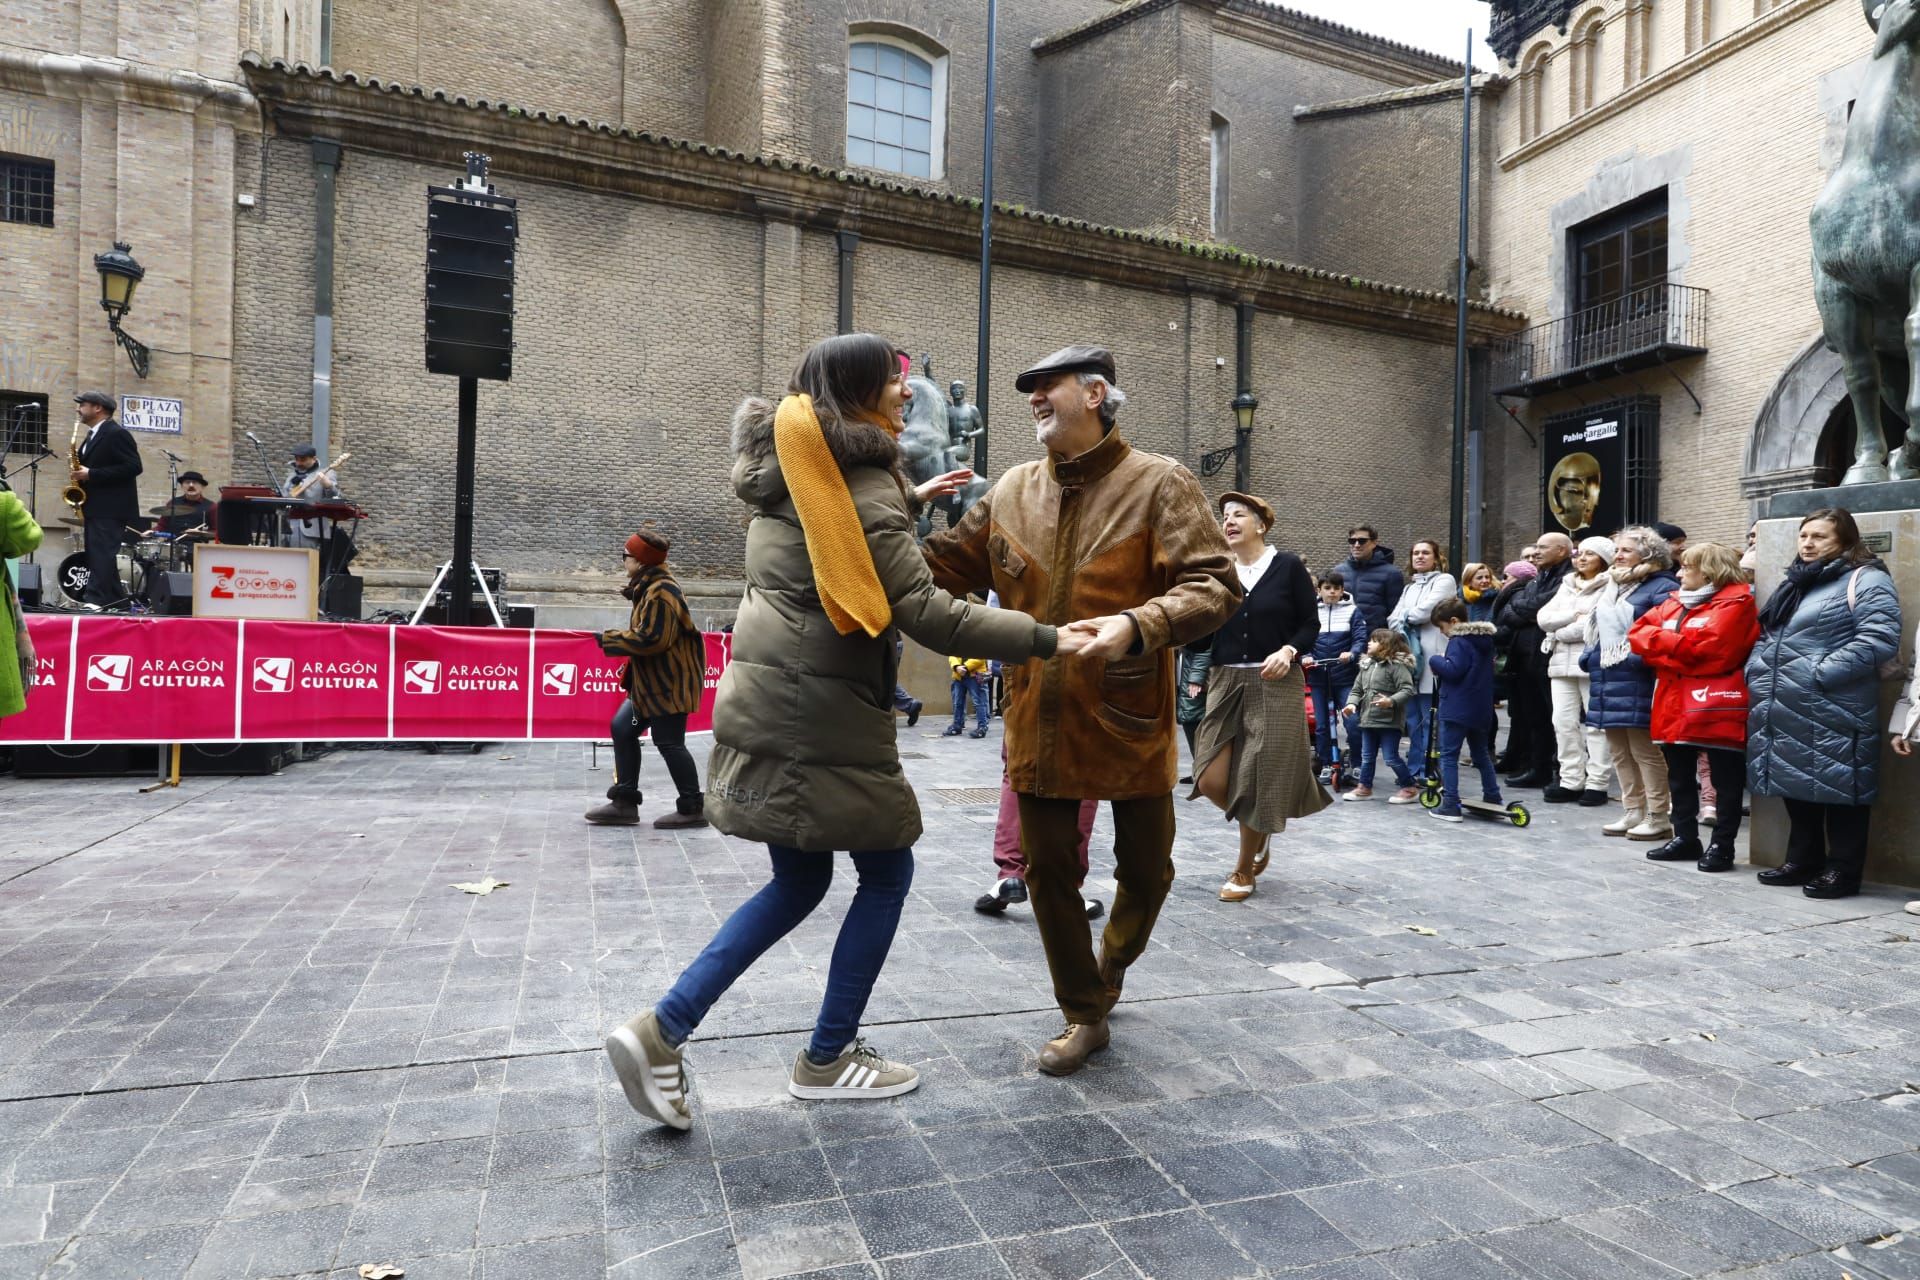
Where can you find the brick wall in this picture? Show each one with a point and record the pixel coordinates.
(735, 95)
(1753, 128)
(567, 59)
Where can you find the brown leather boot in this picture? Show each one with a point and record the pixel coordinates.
(1067, 1052)
(688, 811)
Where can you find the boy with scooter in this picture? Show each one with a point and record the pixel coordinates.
(1463, 678)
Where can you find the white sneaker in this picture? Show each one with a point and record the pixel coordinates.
(1913, 908)
(1656, 827)
(1709, 816)
(1624, 823)
(858, 1073)
(652, 1073)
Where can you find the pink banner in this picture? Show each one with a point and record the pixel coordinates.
(217, 680)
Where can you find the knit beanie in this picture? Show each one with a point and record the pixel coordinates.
(648, 548)
(1602, 547)
(1522, 569)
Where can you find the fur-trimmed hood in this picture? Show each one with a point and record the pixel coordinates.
(1474, 629)
(756, 467)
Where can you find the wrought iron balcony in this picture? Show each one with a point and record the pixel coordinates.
(1650, 326)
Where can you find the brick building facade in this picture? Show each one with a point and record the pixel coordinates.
(686, 172)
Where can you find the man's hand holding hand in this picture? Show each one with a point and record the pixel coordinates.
(1107, 638)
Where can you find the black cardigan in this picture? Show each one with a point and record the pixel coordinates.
(1281, 609)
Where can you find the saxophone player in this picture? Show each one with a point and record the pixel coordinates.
(105, 466)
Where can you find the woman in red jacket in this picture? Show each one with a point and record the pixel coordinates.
(1697, 641)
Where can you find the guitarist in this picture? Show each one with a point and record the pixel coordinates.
(320, 486)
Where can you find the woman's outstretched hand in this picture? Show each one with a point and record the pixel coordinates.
(942, 485)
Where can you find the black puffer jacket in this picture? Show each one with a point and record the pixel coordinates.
(1375, 585)
(1516, 623)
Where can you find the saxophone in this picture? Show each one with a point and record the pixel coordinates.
(73, 495)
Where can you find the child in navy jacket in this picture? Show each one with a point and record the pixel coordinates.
(1463, 677)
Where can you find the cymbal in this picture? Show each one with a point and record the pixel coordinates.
(161, 511)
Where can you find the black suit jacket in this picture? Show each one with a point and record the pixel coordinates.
(112, 460)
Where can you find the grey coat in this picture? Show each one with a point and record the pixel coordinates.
(803, 727)
(1813, 730)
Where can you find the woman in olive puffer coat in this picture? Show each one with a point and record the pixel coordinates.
(804, 757)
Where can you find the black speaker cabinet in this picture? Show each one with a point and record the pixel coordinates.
(83, 760)
(30, 588)
(232, 759)
(342, 596)
(171, 592)
(470, 248)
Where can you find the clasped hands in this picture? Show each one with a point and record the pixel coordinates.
(1109, 637)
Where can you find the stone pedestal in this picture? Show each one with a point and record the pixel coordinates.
(1889, 517)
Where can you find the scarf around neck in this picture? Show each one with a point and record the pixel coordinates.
(1698, 596)
(843, 572)
(1802, 577)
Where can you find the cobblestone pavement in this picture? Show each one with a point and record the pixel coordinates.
(248, 1029)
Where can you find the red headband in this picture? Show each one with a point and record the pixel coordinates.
(645, 552)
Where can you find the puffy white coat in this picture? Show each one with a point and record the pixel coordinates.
(1563, 622)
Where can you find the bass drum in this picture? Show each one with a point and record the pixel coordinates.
(74, 575)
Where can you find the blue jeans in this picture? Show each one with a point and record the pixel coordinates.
(1383, 742)
(1418, 708)
(799, 882)
(975, 688)
(1480, 743)
(1329, 690)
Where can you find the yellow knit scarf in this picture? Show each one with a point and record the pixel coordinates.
(843, 568)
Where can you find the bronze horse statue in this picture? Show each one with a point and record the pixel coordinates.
(927, 450)
(1866, 248)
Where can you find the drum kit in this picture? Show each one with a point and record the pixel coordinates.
(140, 561)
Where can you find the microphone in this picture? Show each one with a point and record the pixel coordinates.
(171, 454)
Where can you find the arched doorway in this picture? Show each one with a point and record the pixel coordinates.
(1803, 435)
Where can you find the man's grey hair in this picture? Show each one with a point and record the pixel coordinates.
(1653, 548)
(1109, 407)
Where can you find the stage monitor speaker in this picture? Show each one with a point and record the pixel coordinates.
(83, 760)
(470, 248)
(342, 596)
(232, 759)
(172, 593)
(30, 588)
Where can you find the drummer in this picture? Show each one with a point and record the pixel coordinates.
(189, 511)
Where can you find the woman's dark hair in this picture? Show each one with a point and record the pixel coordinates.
(1853, 549)
(1452, 609)
(845, 375)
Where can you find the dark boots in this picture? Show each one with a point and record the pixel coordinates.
(688, 811)
(1719, 855)
(1790, 873)
(622, 808)
(1679, 849)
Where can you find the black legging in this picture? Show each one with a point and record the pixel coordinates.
(1727, 768)
(669, 734)
(1831, 837)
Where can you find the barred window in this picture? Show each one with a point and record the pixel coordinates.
(896, 109)
(26, 191)
(23, 420)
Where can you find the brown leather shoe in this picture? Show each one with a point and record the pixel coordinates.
(1067, 1052)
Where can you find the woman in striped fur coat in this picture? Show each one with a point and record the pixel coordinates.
(666, 666)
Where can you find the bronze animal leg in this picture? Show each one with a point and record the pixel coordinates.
(1847, 319)
(1905, 463)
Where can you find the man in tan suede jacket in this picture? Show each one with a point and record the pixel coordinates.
(1096, 530)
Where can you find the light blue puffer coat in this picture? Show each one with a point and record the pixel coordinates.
(1813, 731)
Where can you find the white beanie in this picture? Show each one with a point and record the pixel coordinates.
(1602, 547)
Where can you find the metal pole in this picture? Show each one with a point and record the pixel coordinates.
(460, 601)
(1243, 385)
(1456, 486)
(847, 241)
(982, 373)
(326, 171)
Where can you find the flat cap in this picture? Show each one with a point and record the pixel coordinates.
(1069, 360)
(100, 398)
(1259, 506)
(305, 451)
(194, 476)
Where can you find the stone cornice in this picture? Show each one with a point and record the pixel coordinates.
(435, 128)
(1485, 85)
(83, 77)
(1260, 23)
(1662, 80)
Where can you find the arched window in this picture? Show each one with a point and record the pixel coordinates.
(1219, 138)
(1583, 80)
(896, 107)
(1533, 93)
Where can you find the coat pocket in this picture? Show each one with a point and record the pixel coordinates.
(1005, 558)
(1133, 690)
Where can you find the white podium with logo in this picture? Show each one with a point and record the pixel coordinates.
(280, 583)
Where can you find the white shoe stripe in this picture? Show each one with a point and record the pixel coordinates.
(851, 1073)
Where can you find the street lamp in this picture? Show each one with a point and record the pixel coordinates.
(119, 276)
(1241, 450)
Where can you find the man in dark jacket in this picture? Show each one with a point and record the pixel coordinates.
(1527, 665)
(108, 470)
(1373, 579)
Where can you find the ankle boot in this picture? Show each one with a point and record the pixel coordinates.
(688, 811)
(1678, 849)
(1067, 1052)
(622, 808)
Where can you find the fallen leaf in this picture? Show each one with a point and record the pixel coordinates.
(506, 757)
(380, 1271)
(1708, 1035)
(482, 887)
(1886, 1241)
(1422, 930)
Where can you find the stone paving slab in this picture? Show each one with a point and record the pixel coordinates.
(248, 1029)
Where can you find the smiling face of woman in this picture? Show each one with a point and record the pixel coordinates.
(1482, 580)
(1626, 554)
(1819, 540)
(1242, 527)
(1423, 557)
(1588, 563)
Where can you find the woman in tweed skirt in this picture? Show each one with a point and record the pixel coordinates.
(1252, 757)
